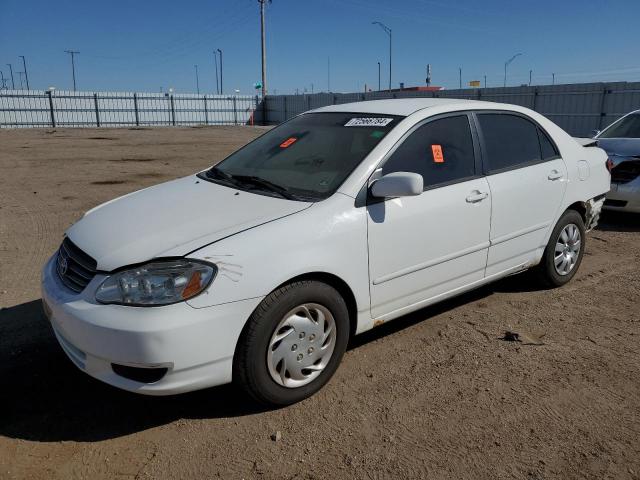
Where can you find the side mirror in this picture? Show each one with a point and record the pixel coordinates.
(594, 133)
(398, 184)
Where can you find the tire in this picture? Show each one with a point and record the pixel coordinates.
(564, 252)
(285, 354)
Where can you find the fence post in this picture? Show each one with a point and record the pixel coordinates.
(135, 108)
(95, 103)
(206, 113)
(53, 118)
(235, 111)
(173, 111)
(605, 91)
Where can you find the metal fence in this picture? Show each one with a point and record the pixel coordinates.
(43, 108)
(577, 108)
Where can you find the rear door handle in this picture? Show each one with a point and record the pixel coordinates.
(477, 196)
(554, 175)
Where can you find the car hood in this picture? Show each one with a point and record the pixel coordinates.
(172, 219)
(624, 147)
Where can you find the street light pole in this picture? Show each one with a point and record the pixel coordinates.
(388, 32)
(73, 53)
(506, 64)
(13, 85)
(24, 64)
(263, 48)
(221, 89)
(215, 60)
(460, 76)
(379, 76)
(4, 83)
(197, 80)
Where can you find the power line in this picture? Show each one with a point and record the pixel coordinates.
(73, 53)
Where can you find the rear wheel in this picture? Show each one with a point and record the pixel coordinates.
(564, 252)
(292, 343)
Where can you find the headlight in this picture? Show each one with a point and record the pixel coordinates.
(157, 283)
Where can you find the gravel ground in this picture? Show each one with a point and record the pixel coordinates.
(435, 394)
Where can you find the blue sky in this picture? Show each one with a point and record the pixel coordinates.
(143, 45)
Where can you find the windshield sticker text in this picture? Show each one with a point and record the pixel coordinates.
(368, 122)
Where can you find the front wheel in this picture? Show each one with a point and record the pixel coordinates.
(292, 343)
(564, 252)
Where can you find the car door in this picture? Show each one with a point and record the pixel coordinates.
(425, 246)
(527, 179)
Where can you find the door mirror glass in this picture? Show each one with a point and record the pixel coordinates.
(398, 184)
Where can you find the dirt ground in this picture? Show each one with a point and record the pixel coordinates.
(436, 394)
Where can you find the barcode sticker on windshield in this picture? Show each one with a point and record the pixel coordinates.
(368, 122)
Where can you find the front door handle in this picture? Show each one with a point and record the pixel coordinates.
(477, 196)
(554, 175)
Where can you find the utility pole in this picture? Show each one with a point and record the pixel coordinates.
(379, 87)
(24, 64)
(553, 76)
(312, 89)
(215, 60)
(530, 75)
(485, 81)
(73, 53)
(13, 85)
(329, 74)
(506, 64)
(388, 32)
(197, 81)
(264, 48)
(460, 76)
(221, 89)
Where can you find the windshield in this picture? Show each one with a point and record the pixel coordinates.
(628, 127)
(306, 158)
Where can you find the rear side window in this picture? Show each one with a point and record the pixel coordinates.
(441, 151)
(509, 141)
(546, 147)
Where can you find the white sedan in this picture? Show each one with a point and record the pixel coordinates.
(259, 269)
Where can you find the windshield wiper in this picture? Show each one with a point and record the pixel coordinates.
(265, 184)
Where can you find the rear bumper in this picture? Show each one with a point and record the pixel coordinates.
(624, 197)
(194, 345)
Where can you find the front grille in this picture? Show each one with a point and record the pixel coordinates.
(75, 268)
(625, 172)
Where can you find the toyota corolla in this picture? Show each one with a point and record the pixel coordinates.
(260, 269)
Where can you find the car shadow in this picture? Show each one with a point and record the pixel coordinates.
(46, 398)
(613, 221)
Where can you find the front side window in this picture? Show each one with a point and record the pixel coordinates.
(440, 150)
(628, 127)
(509, 141)
(307, 158)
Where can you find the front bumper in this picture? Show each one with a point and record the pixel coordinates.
(195, 345)
(624, 197)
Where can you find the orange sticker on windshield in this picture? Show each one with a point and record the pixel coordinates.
(288, 142)
(437, 153)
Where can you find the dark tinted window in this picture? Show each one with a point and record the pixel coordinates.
(547, 148)
(509, 141)
(441, 151)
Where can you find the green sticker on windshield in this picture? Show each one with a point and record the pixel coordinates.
(377, 134)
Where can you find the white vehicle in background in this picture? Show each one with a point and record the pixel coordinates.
(260, 269)
(621, 141)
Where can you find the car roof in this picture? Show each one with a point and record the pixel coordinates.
(407, 106)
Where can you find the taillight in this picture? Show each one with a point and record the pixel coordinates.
(609, 165)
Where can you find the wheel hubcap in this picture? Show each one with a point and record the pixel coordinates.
(567, 249)
(301, 345)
